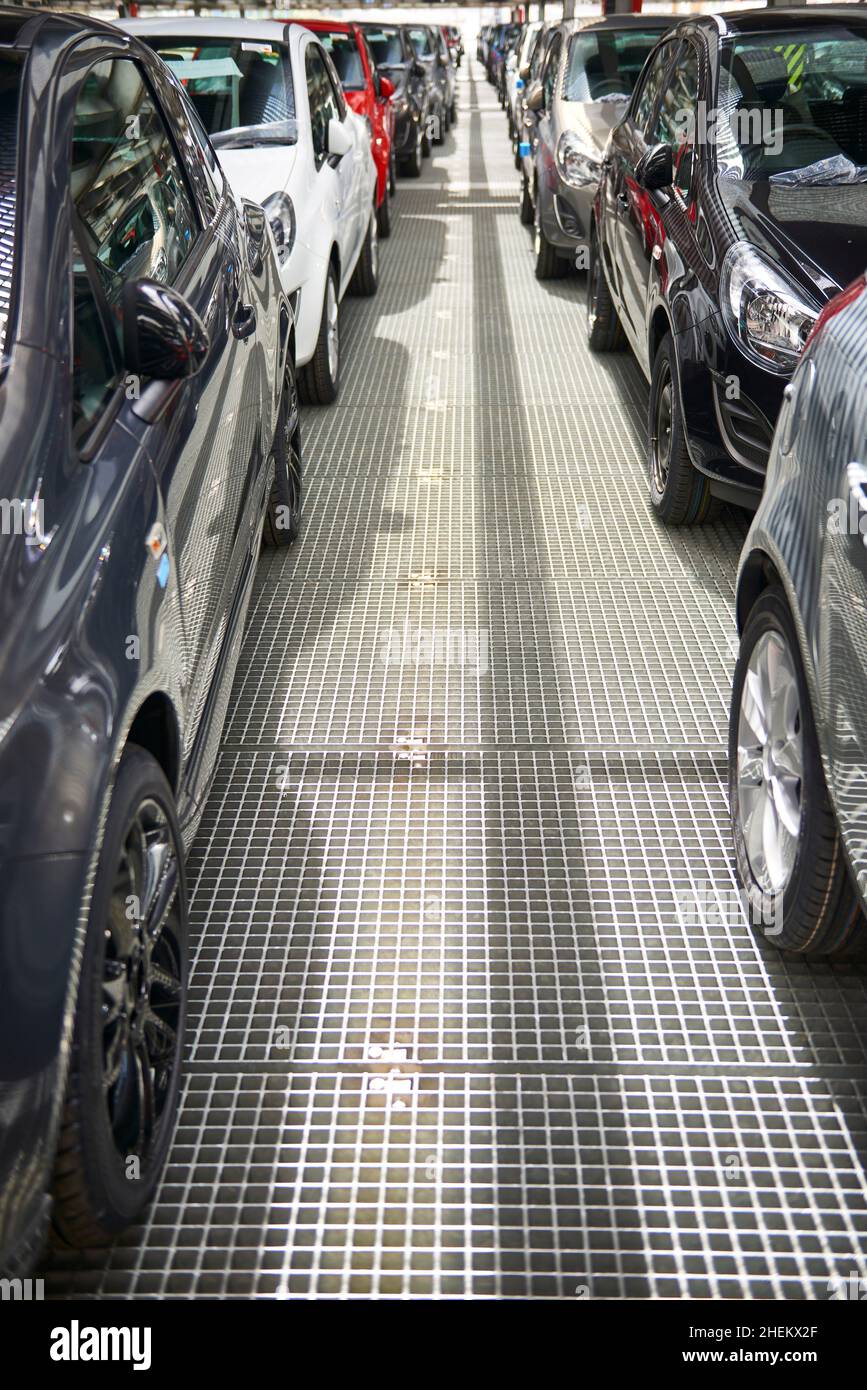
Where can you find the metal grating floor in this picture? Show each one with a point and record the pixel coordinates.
(474, 1011)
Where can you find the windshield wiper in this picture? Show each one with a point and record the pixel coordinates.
(247, 137)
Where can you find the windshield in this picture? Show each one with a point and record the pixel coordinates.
(346, 58)
(605, 63)
(11, 66)
(793, 105)
(420, 40)
(386, 46)
(242, 90)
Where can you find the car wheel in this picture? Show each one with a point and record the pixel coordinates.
(283, 518)
(786, 839)
(441, 127)
(411, 166)
(318, 381)
(453, 113)
(679, 494)
(604, 332)
(425, 141)
(548, 265)
(526, 206)
(383, 215)
(365, 278)
(392, 176)
(125, 1064)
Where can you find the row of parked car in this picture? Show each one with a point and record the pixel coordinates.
(184, 204)
(711, 176)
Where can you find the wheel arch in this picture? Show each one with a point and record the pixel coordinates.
(155, 728)
(758, 573)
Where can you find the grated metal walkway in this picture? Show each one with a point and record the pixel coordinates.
(473, 1008)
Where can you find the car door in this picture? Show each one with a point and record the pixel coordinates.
(337, 176)
(137, 216)
(545, 132)
(633, 207)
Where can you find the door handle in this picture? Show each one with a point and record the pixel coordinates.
(244, 321)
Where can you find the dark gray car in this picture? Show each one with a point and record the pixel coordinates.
(798, 729)
(582, 92)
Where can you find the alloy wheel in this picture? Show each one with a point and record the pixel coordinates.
(660, 443)
(331, 310)
(770, 762)
(142, 985)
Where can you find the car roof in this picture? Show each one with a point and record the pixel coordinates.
(19, 27)
(644, 22)
(339, 26)
(169, 23)
(736, 21)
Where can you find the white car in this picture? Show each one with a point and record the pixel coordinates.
(269, 98)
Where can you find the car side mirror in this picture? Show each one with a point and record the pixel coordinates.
(339, 139)
(163, 336)
(524, 71)
(387, 88)
(655, 169)
(418, 69)
(535, 98)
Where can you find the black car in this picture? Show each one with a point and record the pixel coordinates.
(732, 206)
(425, 40)
(149, 431)
(395, 59)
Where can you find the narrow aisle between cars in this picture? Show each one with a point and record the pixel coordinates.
(473, 1009)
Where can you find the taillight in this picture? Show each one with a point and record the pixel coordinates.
(836, 306)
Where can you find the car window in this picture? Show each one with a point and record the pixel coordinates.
(676, 120)
(132, 200)
(386, 46)
(242, 91)
(323, 103)
(605, 64)
(539, 52)
(652, 84)
(796, 100)
(95, 368)
(421, 42)
(343, 52)
(552, 65)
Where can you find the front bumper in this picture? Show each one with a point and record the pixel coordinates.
(406, 128)
(566, 213)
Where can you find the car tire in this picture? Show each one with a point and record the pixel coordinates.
(392, 175)
(319, 381)
(410, 167)
(787, 844)
(525, 209)
(109, 1156)
(679, 494)
(453, 112)
(425, 141)
(365, 277)
(383, 215)
(548, 265)
(604, 332)
(283, 517)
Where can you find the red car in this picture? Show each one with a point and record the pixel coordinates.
(367, 93)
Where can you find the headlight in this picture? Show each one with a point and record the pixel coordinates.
(576, 165)
(281, 215)
(769, 316)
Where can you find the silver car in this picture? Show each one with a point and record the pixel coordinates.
(589, 71)
(798, 727)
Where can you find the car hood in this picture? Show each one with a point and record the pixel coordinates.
(593, 121)
(258, 173)
(822, 231)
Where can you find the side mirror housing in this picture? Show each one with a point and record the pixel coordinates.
(535, 98)
(387, 88)
(418, 69)
(163, 336)
(524, 72)
(339, 139)
(655, 169)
